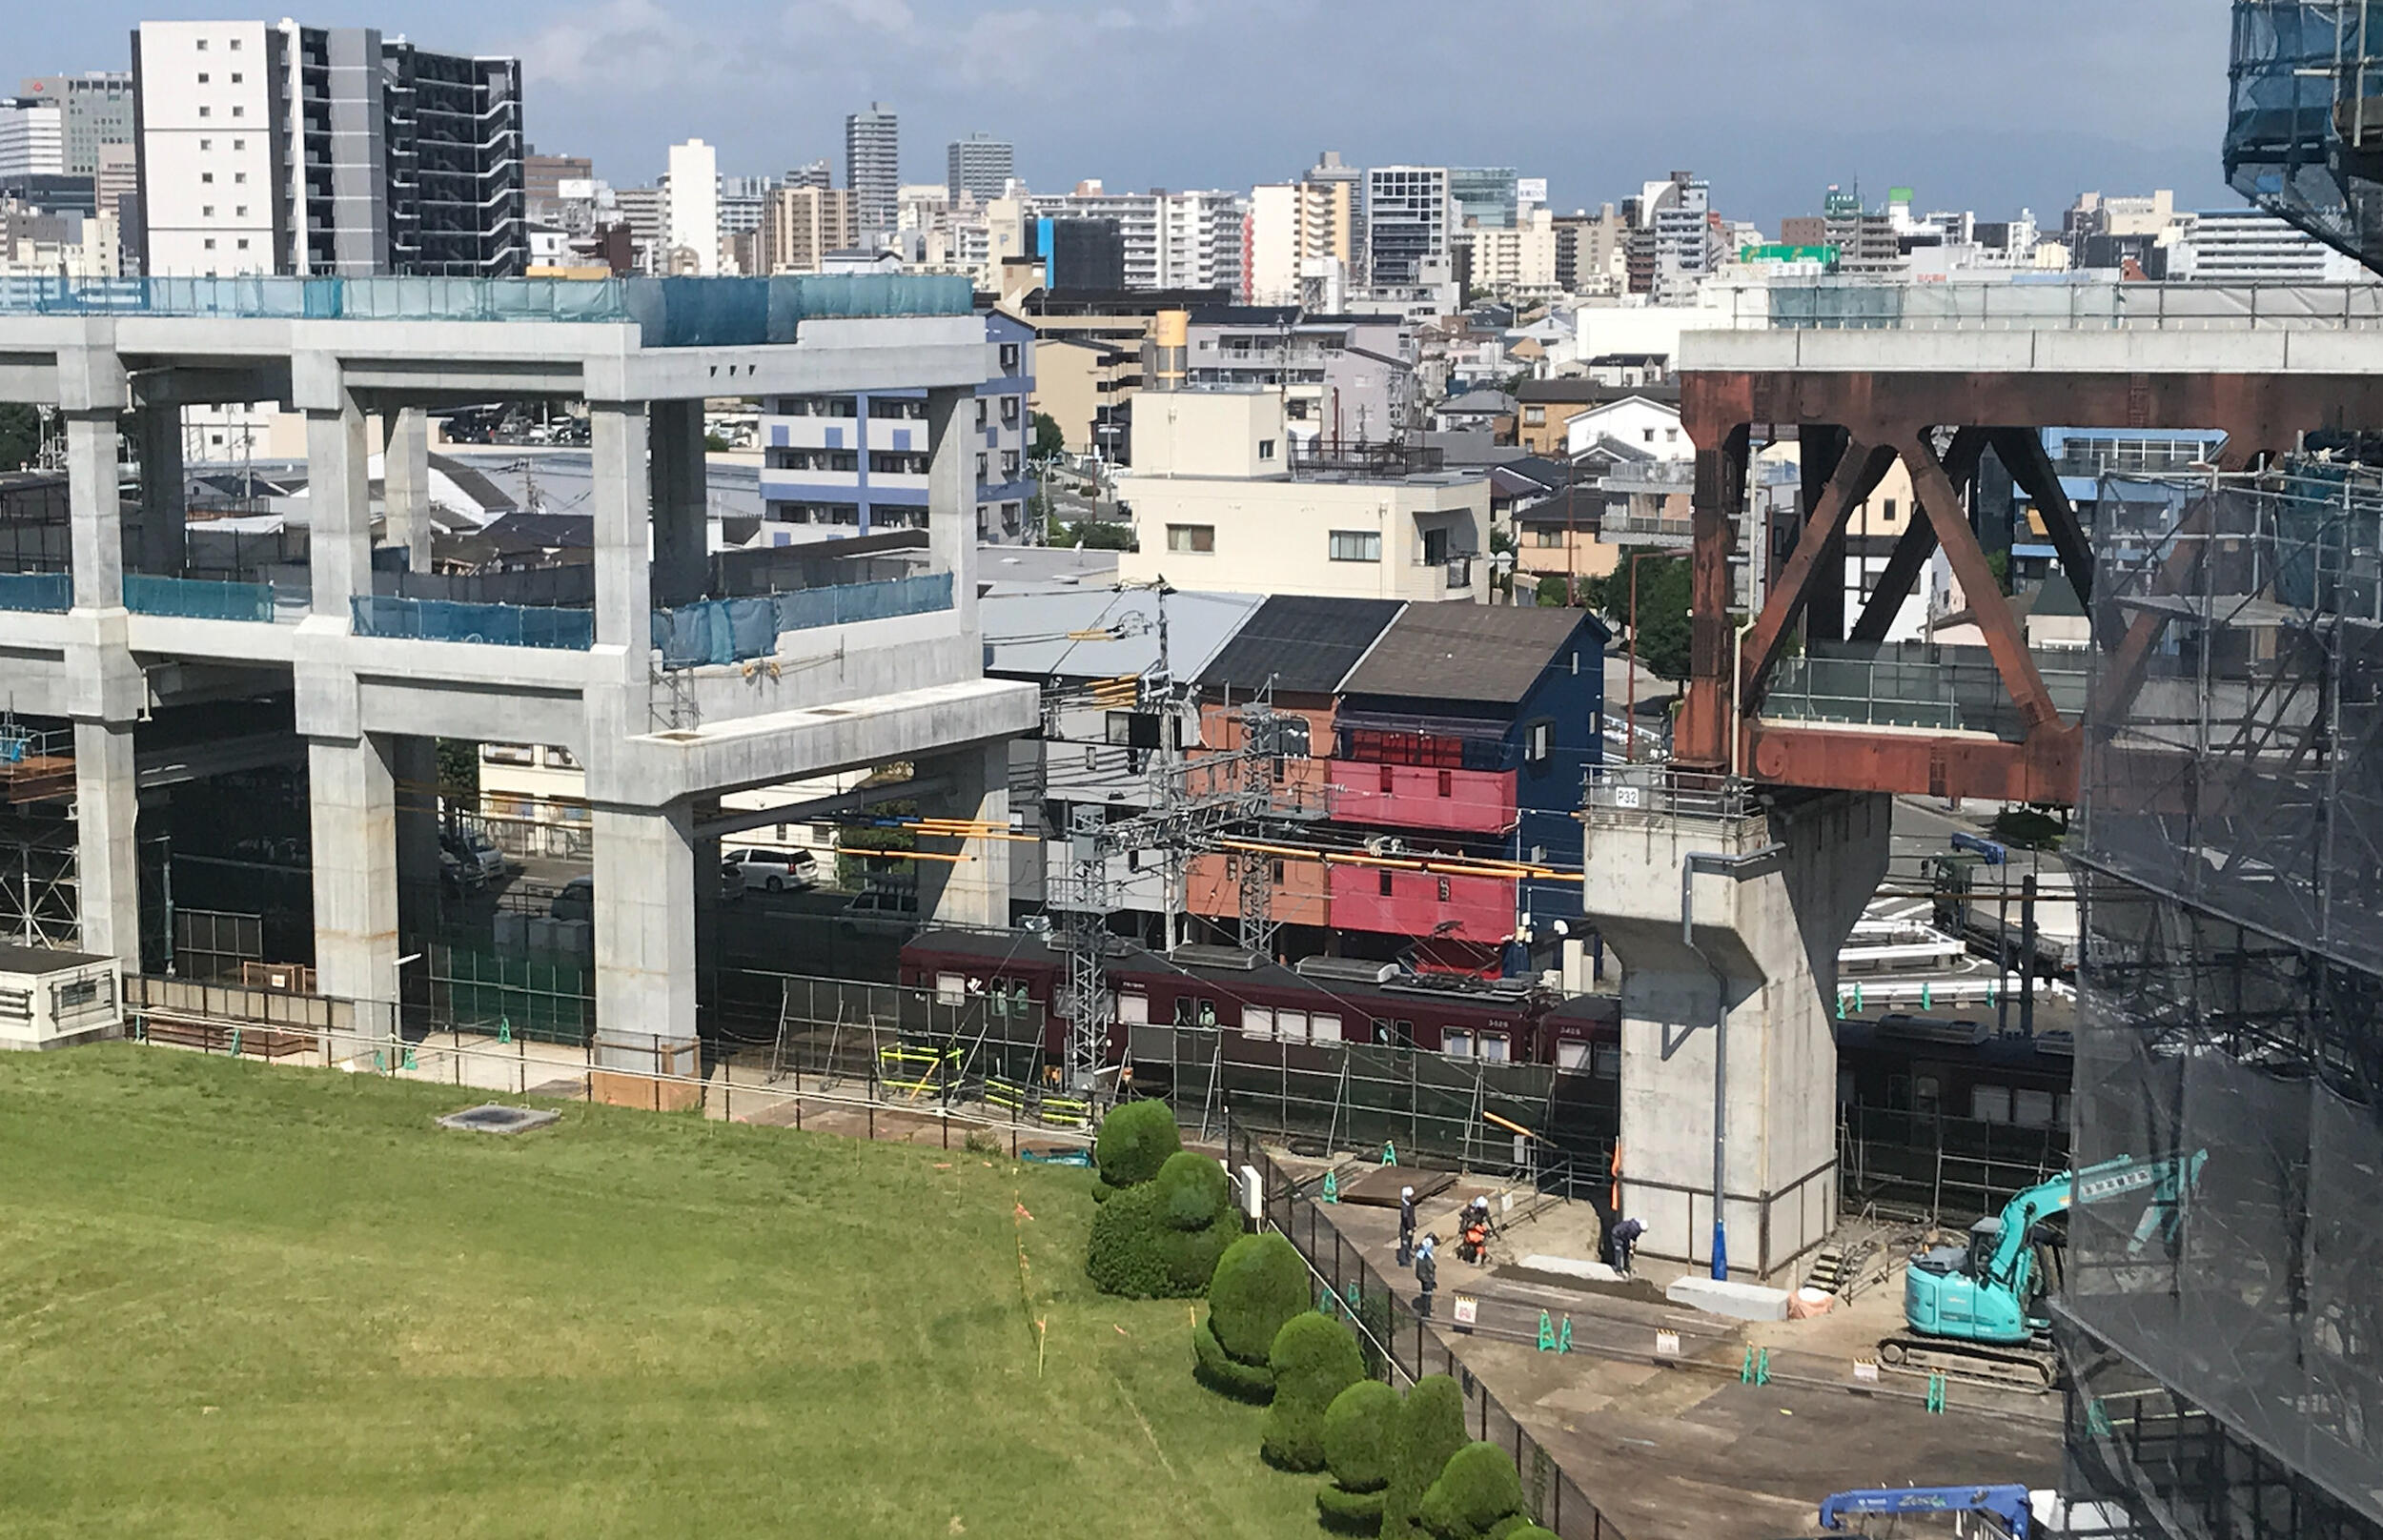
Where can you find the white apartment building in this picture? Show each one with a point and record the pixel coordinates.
(1205, 235)
(2247, 246)
(209, 100)
(692, 206)
(48, 246)
(1222, 502)
(873, 166)
(32, 140)
(1519, 262)
(1297, 228)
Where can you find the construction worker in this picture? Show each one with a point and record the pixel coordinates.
(1426, 1277)
(1473, 1243)
(1406, 1227)
(1621, 1242)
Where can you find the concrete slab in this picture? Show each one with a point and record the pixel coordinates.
(1571, 1268)
(1741, 1302)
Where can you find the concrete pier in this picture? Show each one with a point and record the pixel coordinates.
(1779, 890)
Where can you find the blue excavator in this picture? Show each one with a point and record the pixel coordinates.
(1975, 1312)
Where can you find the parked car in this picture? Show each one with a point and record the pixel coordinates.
(882, 910)
(772, 871)
(477, 853)
(577, 901)
(456, 876)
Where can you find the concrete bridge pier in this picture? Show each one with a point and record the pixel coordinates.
(1772, 895)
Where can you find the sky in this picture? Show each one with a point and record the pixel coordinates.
(1989, 107)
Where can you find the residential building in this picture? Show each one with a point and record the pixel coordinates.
(1084, 384)
(812, 174)
(543, 180)
(860, 460)
(691, 201)
(1139, 219)
(1685, 247)
(982, 165)
(53, 245)
(1297, 228)
(740, 204)
(33, 139)
(1343, 378)
(1638, 421)
(1485, 195)
(801, 225)
(1545, 408)
(1864, 240)
(873, 166)
(1516, 261)
(1088, 254)
(407, 161)
(98, 112)
(1223, 498)
(1407, 224)
(2250, 246)
(1088, 390)
(1592, 253)
(1205, 240)
(646, 211)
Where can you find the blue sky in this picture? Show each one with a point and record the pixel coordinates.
(1990, 107)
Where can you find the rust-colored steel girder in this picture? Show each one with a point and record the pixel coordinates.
(2259, 412)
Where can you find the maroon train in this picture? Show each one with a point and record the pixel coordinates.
(1319, 1000)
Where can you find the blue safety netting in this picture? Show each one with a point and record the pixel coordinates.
(731, 629)
(2304, 121)
(502, 625)
(51, 591)
(198, 598)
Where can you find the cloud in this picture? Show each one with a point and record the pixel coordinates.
(630, 45)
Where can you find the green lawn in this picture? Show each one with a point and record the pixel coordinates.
(240, 1301)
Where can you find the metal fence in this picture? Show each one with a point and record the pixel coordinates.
(504, 625)
(1916, 684)
(1402, 1345)
(729, 630)
(48, 592)
(2059, 303)
(198, 598)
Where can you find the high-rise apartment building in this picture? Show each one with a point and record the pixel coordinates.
(1141, 228)
(801, 225)
(980, 164)
(1406, 216)
(542, 183)
(1295, 227)
(691, 209)
(741, 201)
(1204, 234)
(97, 108)
(32, 140)
(305, 150)
(816, 173)
(873, 166)
(647, 211)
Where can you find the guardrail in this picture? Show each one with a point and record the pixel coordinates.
(730, 630)
(198, 598)
(46, 593)
(502, 625)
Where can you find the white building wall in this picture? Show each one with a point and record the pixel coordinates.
(32, 140)
(207, 142)
(693, 204)
(1273, 275)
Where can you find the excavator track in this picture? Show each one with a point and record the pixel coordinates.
(2029, 1369)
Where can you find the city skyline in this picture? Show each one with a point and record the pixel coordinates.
(2137, 89)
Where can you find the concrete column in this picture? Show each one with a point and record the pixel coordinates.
(623, 534)
(107, 871)
(339, 499)
(164, 547)
(95, 508)
(680, 494)
(1765, 954)
(952, 443)
(414, 768)
(976, 892)
(644, 905)
(352, 800)
(405, 484)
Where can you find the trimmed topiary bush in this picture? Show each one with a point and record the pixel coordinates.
(1162, 1239)
(1360, 1428)
(1133, 1141)
(1431, 1428)
(1260, 1284)
(1221, 1372)
(1314, 1358)
(1477, 1495)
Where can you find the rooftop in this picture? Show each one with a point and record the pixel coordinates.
(1302, 643)
(1487, 654)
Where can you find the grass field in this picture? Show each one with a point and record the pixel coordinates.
(239, 1300)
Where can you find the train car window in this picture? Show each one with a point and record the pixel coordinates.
(1457, 1043)
(1323, 1027)
(950, 989)
(1448, 783)
(1608, 1063)
(1382, 1030)
(1257, 1020)
(1444, 890)
(2031, 1110)
(1206, 1015)
(1572, 1055)
(1183, 1010)
(1927, 1093)
(1385, 883)
(1403, 1035)
(1133, 1007)
(1494, 1047)
(1989, 1103)
(2059, 1110)
(1291, 1025)
(1845, 1094)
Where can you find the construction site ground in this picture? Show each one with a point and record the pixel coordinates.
(1682, 1449)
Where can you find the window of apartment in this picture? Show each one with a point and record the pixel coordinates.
(902, 408)
(1008, 464)
(237, 144)
(1539, 742)
(206, 112)
(239, 211)
(1547, 536)
(1008, 411)
(239, 112)
(202, 45)
(1197, 538)
(202, 77)
(983, 470)
(1648, 434)
(1671, 435)
(206, 210)
(240, 178)
(1887, 506)
(897, 462)
(1009, 357)
(207, 176)
(983, 411)
(234, 44)
(838, 406)
(210, 243)
(1356, 545)
(559, 757)
(1266, 449)
(243, 243)
(1535, 417)
(206, 144)
(509, 752)
(235, 77)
